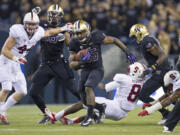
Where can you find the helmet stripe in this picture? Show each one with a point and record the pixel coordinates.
(32, 16)
(56, 7)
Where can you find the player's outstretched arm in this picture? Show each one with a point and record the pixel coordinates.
(118, 43)
(54, 31)
(159, 105)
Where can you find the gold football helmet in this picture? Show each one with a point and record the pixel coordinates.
(54, 14)
(139, 31)
(81, 26)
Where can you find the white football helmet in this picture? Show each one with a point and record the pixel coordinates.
(170, 77)
(31, 22)
(136, 70)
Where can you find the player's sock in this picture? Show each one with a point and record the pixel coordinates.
(77, 120)
(90, 111)
(60, 114)
(10, 102)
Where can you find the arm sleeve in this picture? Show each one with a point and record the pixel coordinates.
(111, 86)
(41, 32)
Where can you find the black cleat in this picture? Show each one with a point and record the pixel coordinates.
(101, 117)
(87, 121)
(45, 120)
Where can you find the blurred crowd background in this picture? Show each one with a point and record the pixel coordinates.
(114, 17)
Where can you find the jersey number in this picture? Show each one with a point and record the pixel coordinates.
(134, 93)
(24, 48)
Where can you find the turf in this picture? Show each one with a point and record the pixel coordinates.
(23, 121)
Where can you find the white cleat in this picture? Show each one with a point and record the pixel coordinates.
(3, 119)
(50, 115)
(162, 122)
(166, 130)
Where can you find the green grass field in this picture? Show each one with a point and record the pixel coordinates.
(23, 121)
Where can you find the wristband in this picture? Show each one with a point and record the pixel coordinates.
(154, 108)
(15, 58)
(154, 66)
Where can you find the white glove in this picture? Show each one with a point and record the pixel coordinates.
(67, 27)
(19, 60)
(36, 10)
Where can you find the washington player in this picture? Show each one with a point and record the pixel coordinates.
(128, 88)
(172, 82)
(21, 39)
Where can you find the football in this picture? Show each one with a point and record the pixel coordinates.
(82, 52)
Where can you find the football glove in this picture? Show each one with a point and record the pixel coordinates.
(151, 69)
(146, 105)
(20, 60)
(143, 113)
(131, 57)
(67, 27)
(85, 58)
(36, 10)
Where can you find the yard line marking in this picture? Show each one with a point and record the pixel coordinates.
(45, 130)
(8, 129)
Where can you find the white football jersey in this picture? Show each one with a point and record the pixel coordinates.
(127, 90)
(23, 43)
(176, 85)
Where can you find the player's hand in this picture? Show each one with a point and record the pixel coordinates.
(143, 113)
(131, 57)
(36, 10)
(20, 60)
(146, 105)
(67, 27)
(85, 58)
(149, 70)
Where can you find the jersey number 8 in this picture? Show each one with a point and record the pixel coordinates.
(134, 93)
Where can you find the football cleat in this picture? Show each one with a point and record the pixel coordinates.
(50, 115)
(3, 119)
(162, 122)
(87, 121)
(45, 120)
(166, 130)
(99, 118)
(66, 121)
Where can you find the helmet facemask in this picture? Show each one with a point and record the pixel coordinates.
(31, 27)
(138, 32)
(55, 14)
(136, 70)
(81, 30)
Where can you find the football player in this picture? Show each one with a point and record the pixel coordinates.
(53, 63)
(91, 64)
(128, 87)
(21, 39)
(157, 61)
(172, 82)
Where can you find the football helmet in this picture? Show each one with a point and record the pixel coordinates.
(54, 14)
(31, 22)
(138, 31)
(170, 77)
(79, 27)
(136, 70)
